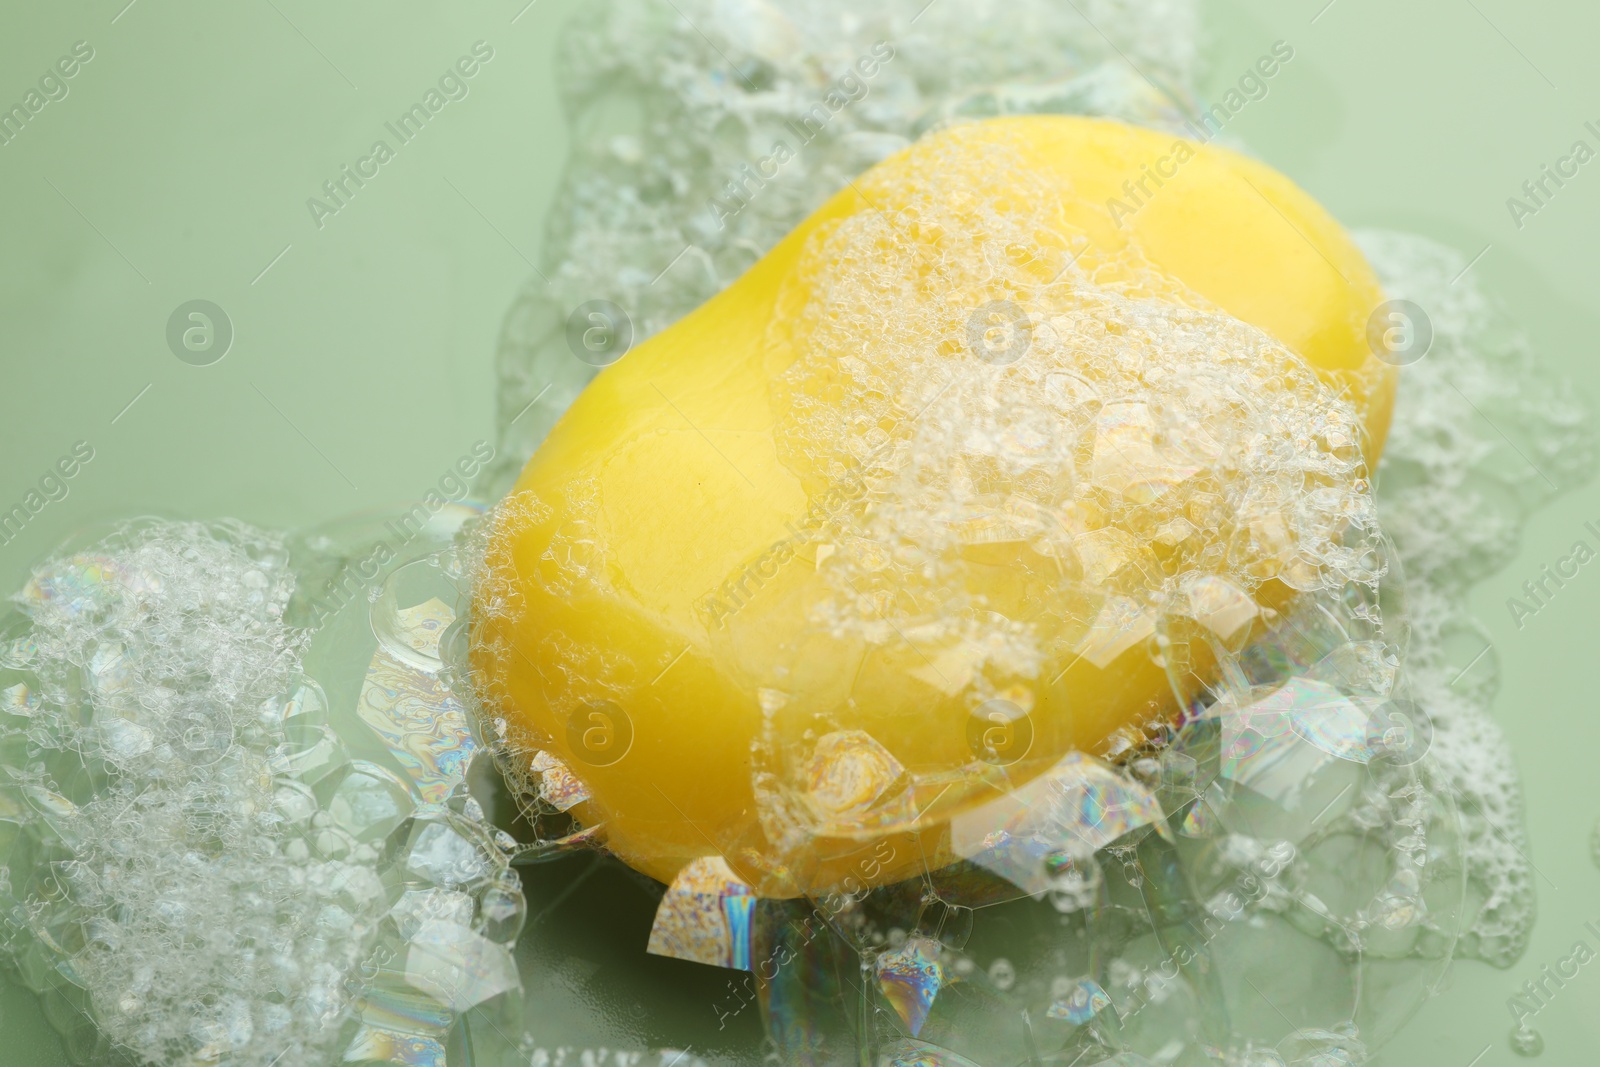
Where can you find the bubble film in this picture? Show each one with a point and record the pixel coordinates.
(705, 916)
(195, 868)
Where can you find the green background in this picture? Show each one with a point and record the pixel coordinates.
(178, 167)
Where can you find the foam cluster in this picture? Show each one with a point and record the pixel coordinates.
(998, 392)
(1482, 436)
(195, 869)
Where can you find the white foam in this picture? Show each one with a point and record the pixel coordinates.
(202, 869)
(1481, 437)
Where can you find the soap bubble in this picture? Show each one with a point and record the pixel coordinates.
(1526, 1041)
(1074, 876)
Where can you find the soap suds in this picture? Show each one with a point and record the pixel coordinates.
(1482, 437)
(194, 862)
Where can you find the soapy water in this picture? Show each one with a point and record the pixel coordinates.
(208, 859)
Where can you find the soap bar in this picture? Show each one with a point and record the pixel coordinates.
(999, 456)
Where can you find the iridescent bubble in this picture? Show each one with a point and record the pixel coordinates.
(910, 978)
(1077, 1001)
(705, 916)
(1074, 876)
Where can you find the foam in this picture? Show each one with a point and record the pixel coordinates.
(195, 862)
(1155, 451)
(1482, 436)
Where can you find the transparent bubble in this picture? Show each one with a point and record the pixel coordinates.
(1526, 1041)
(370, 802)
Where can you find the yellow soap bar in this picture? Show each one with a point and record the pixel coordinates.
(765, 584)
